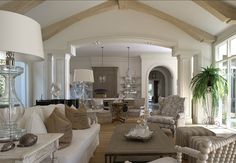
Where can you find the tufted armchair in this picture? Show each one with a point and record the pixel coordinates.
(170, 114)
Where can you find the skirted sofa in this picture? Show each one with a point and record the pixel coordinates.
(83, 144)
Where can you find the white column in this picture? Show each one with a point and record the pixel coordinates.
(67, 76)
(60, 73)
(184, 79)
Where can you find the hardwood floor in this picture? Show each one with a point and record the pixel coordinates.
(105, 135)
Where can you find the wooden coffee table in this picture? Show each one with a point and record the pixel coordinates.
(119, 147)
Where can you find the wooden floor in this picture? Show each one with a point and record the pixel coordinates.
(105, 135)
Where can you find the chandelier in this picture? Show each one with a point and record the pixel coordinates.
(129, 82)
(102, 77)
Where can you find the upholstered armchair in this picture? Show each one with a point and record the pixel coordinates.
(170, 113)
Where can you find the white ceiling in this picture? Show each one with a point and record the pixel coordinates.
(120, 49)
(51, 11)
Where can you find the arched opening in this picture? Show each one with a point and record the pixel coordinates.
(159, 84)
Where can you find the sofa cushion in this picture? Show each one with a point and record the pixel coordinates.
(58, 123)
(28, 113)
(161, 119)
(35, 120)
(78, 117)
(48, 109)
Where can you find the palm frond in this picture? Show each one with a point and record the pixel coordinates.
(209, 81)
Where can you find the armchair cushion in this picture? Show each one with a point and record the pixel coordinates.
(162, 119)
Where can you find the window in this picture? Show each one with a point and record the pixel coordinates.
(2, 80)
(225, 59)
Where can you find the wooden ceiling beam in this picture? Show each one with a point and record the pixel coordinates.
(122, 4)
(53, 29)
(20, 6)
(221, 10)
(195, 32)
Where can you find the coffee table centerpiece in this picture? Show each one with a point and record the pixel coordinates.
(140, 132)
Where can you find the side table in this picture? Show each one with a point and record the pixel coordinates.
(117, 110)
(46, 145)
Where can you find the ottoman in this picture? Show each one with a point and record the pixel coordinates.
(183, 135)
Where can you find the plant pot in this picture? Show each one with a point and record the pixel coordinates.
(211, 120)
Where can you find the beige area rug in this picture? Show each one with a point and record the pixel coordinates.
(105, 135)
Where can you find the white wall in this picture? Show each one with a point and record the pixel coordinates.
(150, 61)
(120, 62)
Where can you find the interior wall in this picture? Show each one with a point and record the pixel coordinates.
(120, 62)
(148, 62)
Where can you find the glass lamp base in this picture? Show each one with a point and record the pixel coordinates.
(7, 135)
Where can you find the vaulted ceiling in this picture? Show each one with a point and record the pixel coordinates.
(202, 20)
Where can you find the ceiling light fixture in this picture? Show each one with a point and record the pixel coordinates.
(102, 78)
(129, 82)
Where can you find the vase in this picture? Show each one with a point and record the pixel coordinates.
(11, 108)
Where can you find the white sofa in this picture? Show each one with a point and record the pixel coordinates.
(84, 142)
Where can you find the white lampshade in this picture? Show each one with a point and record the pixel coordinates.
(22, 35)
(83, 75)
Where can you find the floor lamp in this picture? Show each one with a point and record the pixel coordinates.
(20, 39)
(81, 78)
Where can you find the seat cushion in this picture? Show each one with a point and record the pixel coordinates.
(81, 146)
(161, 119)
(164, 160)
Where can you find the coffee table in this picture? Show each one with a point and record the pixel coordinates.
(159, 145)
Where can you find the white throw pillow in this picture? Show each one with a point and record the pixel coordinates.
(35, 124)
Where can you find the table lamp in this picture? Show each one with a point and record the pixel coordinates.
(82, 77)
(20, 39)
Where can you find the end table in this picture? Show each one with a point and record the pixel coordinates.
(46, 145)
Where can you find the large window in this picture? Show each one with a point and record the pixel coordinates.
(225, 59)
(2, 80)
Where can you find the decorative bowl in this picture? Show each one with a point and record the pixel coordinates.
(139, 134)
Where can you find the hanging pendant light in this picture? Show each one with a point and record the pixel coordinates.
(129, 83)
(128, 75)
(102, 77)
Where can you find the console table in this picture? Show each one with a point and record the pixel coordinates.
(46, 145)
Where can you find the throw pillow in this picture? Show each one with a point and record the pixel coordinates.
(78, 117)
(35, 124)
(58, 123)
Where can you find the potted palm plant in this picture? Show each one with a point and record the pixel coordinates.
(209, 86)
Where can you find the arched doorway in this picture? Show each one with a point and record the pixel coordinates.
(160, 84)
